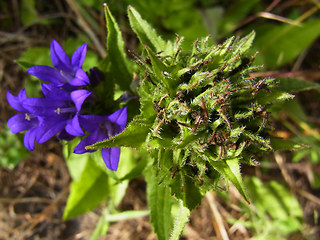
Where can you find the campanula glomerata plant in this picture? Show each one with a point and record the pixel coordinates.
(199, 114)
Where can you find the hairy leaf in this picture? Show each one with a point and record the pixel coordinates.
(133, 136)
(159, 202)
(146, 34)
(182, 217)
(119, 64)
(230, 169)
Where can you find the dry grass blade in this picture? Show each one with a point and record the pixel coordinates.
(85, 26)
(309, 196)
(218, 220)
(278, 18)
(280, 159)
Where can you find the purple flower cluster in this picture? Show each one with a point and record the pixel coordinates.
(60, 113)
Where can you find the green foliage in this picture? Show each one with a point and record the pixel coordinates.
(28, 12)
(202, 115)
(274, 213)
(159, 202)
(285, 144)
(237, 11)
(89, 185)
(34, 56)
(12, 150)
(311, 140)
(107, 218)
(133, 136)
(173, 16)
(281, 44)
(93, 182)
(119, 66)
(146, 34)
(88, 192)
(181, 218)
(168, 216)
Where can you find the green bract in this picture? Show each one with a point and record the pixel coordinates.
(202, 113)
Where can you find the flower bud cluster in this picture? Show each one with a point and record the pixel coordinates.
(206, 109)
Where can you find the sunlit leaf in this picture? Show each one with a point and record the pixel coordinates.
(182, 217)
(120, 66)
(159, 202)
(88, 192)
(231, 170)
(146, 34)
(133, 136)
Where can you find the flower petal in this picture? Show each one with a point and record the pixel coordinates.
(96, 76)
(73, 127)
(43, 106)
(59, 58)
(80, 79)
(78, 97)
(91, 123)
(111, 157)
(79, 55)
(63, 135)
(53, 92)
(48, 74)
(48, 128)
(22, 94)
(120, 118)
(89, 140)
(15, 102)
(30, 138)
(19, 123)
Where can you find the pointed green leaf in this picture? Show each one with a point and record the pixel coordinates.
(120, 68)
(159, 202)
(182, 217)
(285, 144)
(157, 65)
(184, 188)
(273, 96)
(230, 169)
(133, 136)
(244, 43)
(146, 34)
(296, 85)
(88, 192)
